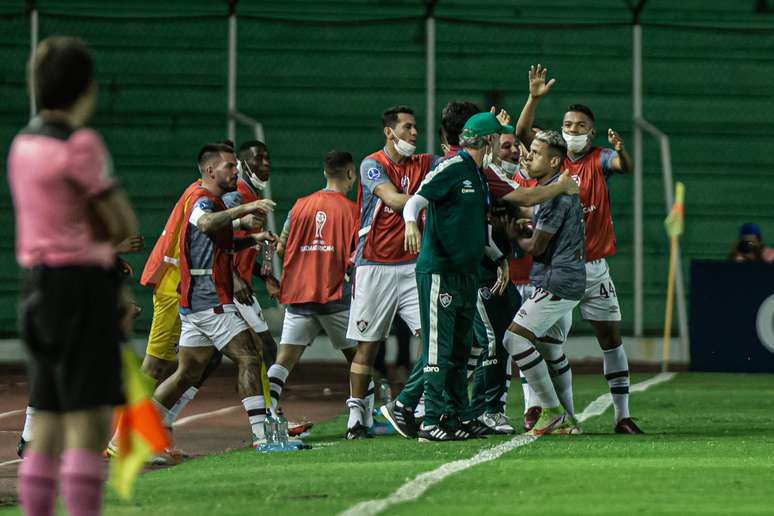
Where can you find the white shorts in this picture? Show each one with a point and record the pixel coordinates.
(545, 315)
(253, 315)
(381, 292)
(300, 330)
(600, 302)
(525, 290)
(206, 328)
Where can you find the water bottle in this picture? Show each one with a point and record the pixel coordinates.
(267, 264)
(282, 429)
(270, 428)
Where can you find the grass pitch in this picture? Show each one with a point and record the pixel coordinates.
(709, 449)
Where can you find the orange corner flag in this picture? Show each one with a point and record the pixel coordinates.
(675, 220)
(140, 430)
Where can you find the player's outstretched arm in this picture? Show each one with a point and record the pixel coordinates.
(540, 194)
(390, 196)
(623, 162)
(537, 88)
(209, 223)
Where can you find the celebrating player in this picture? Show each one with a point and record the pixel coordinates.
(209, 318)
(558, 274)
(384, 276)
(74, 313)
(591, 167)
(317, 244)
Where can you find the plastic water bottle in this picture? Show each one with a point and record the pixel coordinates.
(282, 429)
(270, 428)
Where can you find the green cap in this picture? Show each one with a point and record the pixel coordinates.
(484, 124)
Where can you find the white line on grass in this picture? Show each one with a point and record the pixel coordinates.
(12, 413)
(204, 415)
(417, 486)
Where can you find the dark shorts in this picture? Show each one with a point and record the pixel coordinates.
(70, 326)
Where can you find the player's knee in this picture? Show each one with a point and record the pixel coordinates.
(516, 343)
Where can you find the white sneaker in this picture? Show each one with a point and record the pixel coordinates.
(497, 422)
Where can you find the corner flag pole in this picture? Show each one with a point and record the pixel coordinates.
(674, 226)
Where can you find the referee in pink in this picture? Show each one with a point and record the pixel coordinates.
(73, 308)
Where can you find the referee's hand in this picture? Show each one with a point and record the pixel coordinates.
(412, 238)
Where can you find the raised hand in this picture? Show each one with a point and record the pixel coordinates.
(537, 81)
(503, 117)
(615, 140)
(251, 221)
(132, 244)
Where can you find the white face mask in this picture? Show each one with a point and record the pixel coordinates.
(244, 171)
(509, 168)
(403, 147)
(575, 143)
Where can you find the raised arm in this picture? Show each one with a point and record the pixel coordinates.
(537, 88)
(623, 161)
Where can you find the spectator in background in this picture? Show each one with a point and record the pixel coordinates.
(749, 246)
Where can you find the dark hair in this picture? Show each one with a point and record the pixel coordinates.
(211, 151)
(336, 163)
(62, 70)
(249, 144)
(580, 108)
(228, 143)
(390, 115)
(453, 118)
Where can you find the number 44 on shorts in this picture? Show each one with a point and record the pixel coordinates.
(608, 291)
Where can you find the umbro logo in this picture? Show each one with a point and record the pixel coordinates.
(431, 369)
(362, 326)
(485, 293)
(467, 183)
(522, 313)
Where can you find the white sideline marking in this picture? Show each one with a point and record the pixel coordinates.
(12, 413)
(417, 486)
(204, 415)
(9, 462)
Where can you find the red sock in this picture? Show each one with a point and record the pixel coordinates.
(81, 478)
(37, 483)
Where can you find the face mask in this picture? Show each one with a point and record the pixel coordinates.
(244, 171)
(575, 143)
(509, 168)
(403, 147)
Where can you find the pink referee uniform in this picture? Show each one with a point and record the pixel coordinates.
(52, 181)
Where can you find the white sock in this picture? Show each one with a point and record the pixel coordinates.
(278, 375)
(255, 406)
(184, 400)
(533, 366)
(616, 368)
(369, 405)
(356, 411)
(561, 373)
(508, 377)
(163, 414)
(27, 431)
(419, 410)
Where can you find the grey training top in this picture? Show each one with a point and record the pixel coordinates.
(561, 268)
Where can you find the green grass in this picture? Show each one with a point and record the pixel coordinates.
(709, 450)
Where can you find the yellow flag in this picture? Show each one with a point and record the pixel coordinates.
(141, 432)
(675, 220)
